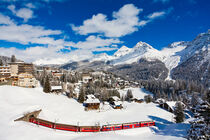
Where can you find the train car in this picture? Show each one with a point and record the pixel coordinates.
(42, 122)
(147, 123)
(136, 125)
(111, 127)
(152, 123)
(66, 127)
(127, 125)
(89, 128)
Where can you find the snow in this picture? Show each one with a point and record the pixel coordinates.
(15, 101)
(115, 98)
(122, 51)
(56, 87)
(171, 104)
(138, 93)
(91, 99)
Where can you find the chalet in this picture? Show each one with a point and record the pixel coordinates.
(160, 101)
(169, 106)
(57, 74)
(56, 89)
(86, 78)
(138, 100)
(91, 102)
(27, 80)
(115, 102)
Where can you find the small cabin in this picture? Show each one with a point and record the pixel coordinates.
(91, 102)
(56, 89)
(86, 78)
(138, 100)
(115, 102)
(169, 106)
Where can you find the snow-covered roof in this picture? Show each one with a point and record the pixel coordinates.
(115, 98)
(171, 104)
(160, 100)
(91, 99)
(56, 87)
(117, 103)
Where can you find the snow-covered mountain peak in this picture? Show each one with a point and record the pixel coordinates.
(122, 51)
(101, 57)
(142, 45)
(175, 44)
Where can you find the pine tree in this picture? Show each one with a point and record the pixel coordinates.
(13, 59)
(128, 95)
(179, 113)
(148, 98)
(47, 87)
(1, 63)
(81, 97)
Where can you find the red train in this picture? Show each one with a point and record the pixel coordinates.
(110, 127)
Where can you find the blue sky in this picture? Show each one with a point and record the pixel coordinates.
(61, 30)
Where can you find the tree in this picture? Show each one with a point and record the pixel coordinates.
(128, 95)
(81, 97)
(47, 87)
(1, 63)
(13, 59)
(148, 98)
(179, 113)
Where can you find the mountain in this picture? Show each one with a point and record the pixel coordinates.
(141, 70)
(187, 60)
(140, 50)
(195, 60)
(122, 51)
(5, 59)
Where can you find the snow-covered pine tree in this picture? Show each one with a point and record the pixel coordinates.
(81, 97)
(47, 87)
(179, 113)
(13, 59)
(129, 95)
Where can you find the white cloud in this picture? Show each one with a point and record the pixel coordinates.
(24, 13)
(30, 5)
(5, 20)
(156, 15)
(28, 34)
(125, 21)
(94, 43)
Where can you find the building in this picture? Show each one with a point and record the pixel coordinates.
(86, 78)
(56, 89)
(26, 68)
(27, 80)
(21, 67)
(91, 102)
(169, 106)
(115, 102)
(5, 73)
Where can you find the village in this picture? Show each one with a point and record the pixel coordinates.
(87, 87)
(91, 88)
(101, 91)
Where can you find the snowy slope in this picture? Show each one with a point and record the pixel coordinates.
(122, 51)
(170, 57)
(16, 100)
(141, 50)
(101, 57)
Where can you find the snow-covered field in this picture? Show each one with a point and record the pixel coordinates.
(15, 101)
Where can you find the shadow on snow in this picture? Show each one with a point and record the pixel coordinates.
(165, 127)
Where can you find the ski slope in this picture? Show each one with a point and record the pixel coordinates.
(15, 101)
